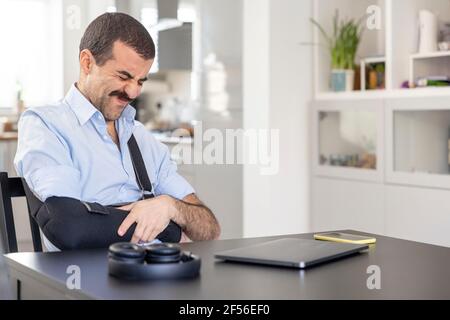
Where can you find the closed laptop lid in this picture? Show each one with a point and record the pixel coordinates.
(291, 252)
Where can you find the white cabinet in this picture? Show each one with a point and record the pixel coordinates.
(345, 204)
(419, 214)
(412, 213)
(348, 139)
(417, 141)
(407, 195)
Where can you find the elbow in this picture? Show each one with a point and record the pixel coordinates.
(215, 234)
(64, 237)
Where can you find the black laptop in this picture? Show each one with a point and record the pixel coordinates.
(291, 252)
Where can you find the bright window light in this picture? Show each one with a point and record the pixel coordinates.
(31, 55)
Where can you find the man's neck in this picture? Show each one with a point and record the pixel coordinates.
(111, 128)
(82, 90)
(79, 85)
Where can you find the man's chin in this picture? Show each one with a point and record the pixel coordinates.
(112, 116)
(115, 112)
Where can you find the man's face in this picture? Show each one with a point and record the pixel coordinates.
(112, 86)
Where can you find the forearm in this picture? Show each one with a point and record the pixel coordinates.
(196, 219)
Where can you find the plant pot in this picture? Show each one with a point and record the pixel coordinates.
(342, 79)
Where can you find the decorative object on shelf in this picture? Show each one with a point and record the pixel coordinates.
(444, 45)
(364, 161)
(342, 44)
(373, 73)
(428, 32)
(433, 81)
(444, 37)
(368, 161)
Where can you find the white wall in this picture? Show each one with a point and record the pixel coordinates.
(277, 88)
(220, 32)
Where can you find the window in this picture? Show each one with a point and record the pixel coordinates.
(31, 55)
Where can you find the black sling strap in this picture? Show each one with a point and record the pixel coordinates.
(139, 169)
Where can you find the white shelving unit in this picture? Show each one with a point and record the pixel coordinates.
(396, 42)
(408, 195)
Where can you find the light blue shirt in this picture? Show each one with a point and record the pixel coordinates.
(65, 150)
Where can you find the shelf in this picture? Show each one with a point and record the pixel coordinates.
(394, 43)
(384, 94)
(436, 54)
(350, 95)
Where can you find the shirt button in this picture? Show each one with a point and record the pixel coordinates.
(105, 137)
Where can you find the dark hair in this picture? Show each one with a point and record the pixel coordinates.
(107, 28)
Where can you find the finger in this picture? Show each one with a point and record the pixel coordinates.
(153, 234)
(138, 234)
(135, 239)
(184, 238)
(127, 207)
(147, 234)
(126, 224)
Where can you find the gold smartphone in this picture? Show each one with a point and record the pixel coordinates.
(344, 237)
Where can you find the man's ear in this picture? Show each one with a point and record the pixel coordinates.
(86, 61)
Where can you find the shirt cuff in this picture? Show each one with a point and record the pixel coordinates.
(175, 186)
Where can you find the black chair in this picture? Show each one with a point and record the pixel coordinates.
(11, 188)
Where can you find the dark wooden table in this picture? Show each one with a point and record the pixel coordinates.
(408, 270)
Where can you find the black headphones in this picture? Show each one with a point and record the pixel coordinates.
(156, 261)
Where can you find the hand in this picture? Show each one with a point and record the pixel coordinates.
(151, 215)
(184, 238)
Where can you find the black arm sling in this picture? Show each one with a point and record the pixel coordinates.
(69, 223)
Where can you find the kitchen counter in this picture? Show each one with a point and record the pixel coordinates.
(165, 138)
(8, 136)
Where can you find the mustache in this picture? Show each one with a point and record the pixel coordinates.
(121, 95)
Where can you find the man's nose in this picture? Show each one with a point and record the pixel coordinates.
(133, 90)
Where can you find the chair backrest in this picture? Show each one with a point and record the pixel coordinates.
(11, 188)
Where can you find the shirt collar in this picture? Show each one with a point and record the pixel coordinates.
(84, 109)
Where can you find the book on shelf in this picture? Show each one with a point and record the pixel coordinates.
(433, 81)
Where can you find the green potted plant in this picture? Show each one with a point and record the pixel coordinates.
(342, 45)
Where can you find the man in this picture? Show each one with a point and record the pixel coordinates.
(77, 148)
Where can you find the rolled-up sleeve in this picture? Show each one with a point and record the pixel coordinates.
(43, 159)
(169, 180)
